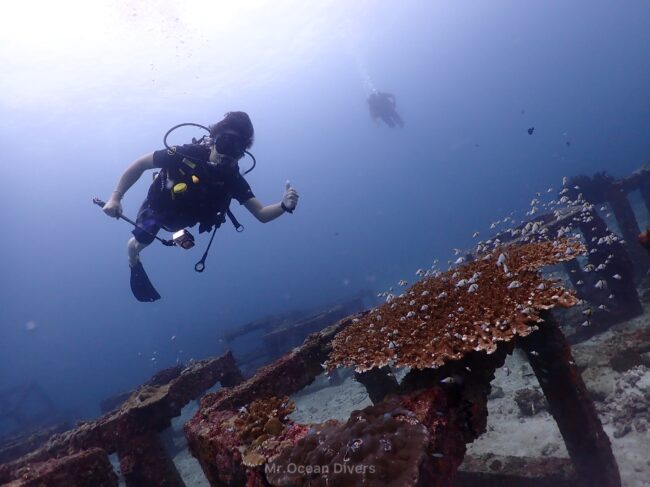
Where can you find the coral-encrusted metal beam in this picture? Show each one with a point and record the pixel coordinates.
(285, 376)
(412, 440)
(504, 471)
(144, 462)
(238, 442)
(629, 226)
(570, 404)
(379, 383)
(148, 411)
(617, 300)
(89, 468)
(208, 442)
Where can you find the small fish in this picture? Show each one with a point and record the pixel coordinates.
(617, 277)
(601, 284)
(531, 130)
(448, 380)
(460, 260)
(461, 283)
(588, 312)
(534, 353)
(475, 234)
(514, 285)
(402, 282)
(472, 288)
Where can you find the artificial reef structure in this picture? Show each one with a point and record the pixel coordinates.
(450, 330)
(453, 330)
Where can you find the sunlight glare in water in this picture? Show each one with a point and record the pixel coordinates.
(82, 45)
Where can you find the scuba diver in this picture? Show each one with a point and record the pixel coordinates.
(382, 105)
(195, 184)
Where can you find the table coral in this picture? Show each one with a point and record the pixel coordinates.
(472, 307)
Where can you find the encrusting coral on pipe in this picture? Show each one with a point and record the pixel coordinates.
(493, 298)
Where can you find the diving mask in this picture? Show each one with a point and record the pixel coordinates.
(229, 145)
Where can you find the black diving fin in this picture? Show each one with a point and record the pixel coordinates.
(141, 286)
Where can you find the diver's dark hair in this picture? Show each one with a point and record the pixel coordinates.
(240, 122)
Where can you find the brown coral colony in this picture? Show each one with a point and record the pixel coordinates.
(493, 298)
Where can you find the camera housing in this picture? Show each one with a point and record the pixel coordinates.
(183, 238)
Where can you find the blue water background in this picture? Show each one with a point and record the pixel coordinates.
(376, 204)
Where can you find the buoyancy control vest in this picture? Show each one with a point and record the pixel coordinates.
(192, 190)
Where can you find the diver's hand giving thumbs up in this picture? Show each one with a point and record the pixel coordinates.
(290, 198)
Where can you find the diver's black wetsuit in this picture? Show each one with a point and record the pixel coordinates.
(208, 194)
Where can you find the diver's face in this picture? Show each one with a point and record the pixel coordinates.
(226, 149)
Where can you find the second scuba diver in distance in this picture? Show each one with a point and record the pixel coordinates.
(383, 106)
(195, 184)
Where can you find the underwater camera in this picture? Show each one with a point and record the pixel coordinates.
(183, 238)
